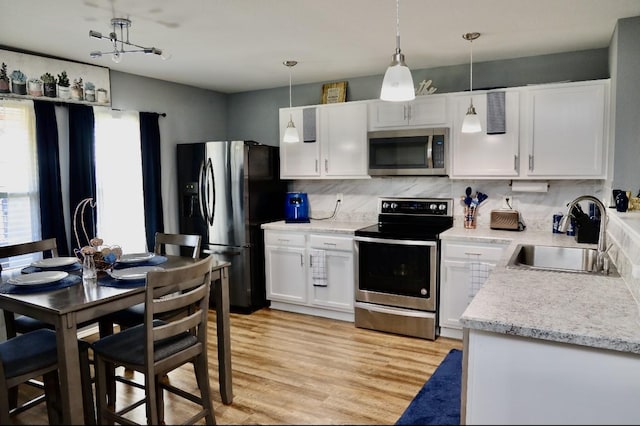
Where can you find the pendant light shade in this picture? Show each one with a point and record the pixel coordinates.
(397, 84)
(290, 133)
(471, 123)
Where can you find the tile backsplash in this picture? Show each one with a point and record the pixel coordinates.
(360, 197)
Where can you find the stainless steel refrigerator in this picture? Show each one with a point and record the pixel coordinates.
(227, 190)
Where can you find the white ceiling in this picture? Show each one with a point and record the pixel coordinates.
(239, 45)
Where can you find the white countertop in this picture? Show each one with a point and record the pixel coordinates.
(582, 309)
(329, 226)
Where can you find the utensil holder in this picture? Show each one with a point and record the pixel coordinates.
(470, 218)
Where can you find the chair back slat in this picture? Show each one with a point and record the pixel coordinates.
(185, 293)
(162, 240)
(46, 247)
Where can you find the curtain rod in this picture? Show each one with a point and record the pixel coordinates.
(164, 114)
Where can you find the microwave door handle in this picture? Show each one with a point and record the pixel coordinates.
(430, 151)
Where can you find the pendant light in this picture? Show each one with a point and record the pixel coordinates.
(290, 133)
(397, 84)
(471, 123)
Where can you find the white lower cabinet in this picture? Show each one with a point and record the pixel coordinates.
(464, 267)
(310, 273)
(519, 380)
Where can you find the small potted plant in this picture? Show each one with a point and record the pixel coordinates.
(63, 86)
(18, 82)
(89, 92)
(102, 95)
(4, 79)
(77, 90)
(49, 83)
(35, 87)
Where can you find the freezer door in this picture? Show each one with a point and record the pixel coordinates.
(246, 276)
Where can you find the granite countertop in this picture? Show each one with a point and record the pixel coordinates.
(329, 226)
(589, 310)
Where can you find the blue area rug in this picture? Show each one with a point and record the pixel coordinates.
(438, 402)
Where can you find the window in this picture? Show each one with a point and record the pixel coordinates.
(119, 198)
(19, 202)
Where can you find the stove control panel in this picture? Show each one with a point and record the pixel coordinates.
(416, 206)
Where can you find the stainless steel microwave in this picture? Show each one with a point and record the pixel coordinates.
(410, 152)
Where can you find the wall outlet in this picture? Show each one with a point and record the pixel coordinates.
(339, 197)
(508, 201)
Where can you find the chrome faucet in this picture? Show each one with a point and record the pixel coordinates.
(601, 263)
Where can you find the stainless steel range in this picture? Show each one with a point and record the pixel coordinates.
(397, 266)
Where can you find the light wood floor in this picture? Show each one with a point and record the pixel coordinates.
(297, 369)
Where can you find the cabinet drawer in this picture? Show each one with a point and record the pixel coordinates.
(465, 251)
(284, 238)
(331, 242)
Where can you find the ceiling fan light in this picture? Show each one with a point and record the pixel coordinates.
(291, 133)
(397, 84)
(471, 122)
(116, 57)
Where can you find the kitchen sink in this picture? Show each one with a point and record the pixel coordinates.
(557, 258)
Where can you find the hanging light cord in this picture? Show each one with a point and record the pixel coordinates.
(471, 70)
(290, 113)
(397, 26)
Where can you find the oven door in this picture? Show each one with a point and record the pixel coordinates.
(399, 273)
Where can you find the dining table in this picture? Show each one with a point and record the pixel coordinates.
(66, 308)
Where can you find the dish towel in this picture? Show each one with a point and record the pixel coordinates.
(496, 123)
(309, 125)
(319, 268)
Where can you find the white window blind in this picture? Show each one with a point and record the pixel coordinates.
(19, 201)
(119, 198)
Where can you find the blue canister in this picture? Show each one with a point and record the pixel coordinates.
(571, 229)
(556, 223)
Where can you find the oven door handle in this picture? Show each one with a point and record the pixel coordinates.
(393, 241)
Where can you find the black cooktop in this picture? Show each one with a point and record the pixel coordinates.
(410, 218)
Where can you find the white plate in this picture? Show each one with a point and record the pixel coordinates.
(135, 257)
(55, 262)
(136, 273)
(38, 278)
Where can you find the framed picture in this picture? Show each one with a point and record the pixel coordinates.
(334, 92)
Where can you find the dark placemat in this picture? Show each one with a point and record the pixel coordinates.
(68, 281)
(67, 268)
(155, 260)
(109, 281)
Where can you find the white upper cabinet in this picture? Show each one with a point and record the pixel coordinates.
(299, 159)
(343, 140)
(424, 111)
(333, 147)
(567, 130)
(552, 131)
(481, 154)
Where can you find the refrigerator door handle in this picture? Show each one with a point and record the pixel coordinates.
(206, 192)
(201, 178)
(222, 251)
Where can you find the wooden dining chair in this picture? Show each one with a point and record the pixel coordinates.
(16, 324)
(134, 315)
(34, 354)
(157, 347)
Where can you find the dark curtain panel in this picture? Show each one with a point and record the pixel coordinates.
(51, 213)
(151, 175)
(82, 177)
